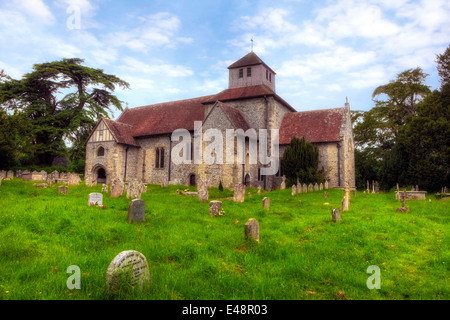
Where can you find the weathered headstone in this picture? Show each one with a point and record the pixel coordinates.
(316, 187)
(73, 179)
(134, 190)
(128, 269)
(116, 188)
(294, 190)
(95, 199)
(326, 184)
(310, 187)
(299, 186)
(10, 174)
(202, 189)
(63, 190)
(373, 186)
(321, 186)
(239, 193)
(105, 188)
(346, 200)
(403, 208)
(259, 190)
(40, 185)
(266, 203)
(336, 215)
(215, 208)
(2, 174)
(283, 183)
(251, 230)
(136, 211)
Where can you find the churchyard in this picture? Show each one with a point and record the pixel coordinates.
(302, 250)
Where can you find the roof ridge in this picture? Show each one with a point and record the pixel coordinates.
(318, 110)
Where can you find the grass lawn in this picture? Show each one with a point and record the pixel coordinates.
(302, 254)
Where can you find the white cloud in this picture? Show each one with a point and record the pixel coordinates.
(159, 68)
(35, 9)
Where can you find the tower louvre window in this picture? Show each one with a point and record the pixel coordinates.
(249, 72)
(241, 73)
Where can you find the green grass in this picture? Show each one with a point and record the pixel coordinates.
(302, 254)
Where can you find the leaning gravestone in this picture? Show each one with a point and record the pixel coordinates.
(116, 188)
(136, 211)
(239, 193)
(215, 208)
(128, 269)
(266, 203)
(251, 230)
(63, 190)
(202, 190)
(294, 190)
(95, 199)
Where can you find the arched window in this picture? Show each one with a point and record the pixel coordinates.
(100, 152)
(159, 158)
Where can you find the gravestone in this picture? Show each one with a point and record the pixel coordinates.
(310, 187)
(136, 211)
(377, 187)
(215, 208)
(73, 179)
(283, 183)
(202, 189)
(134, 190)
(251, 230)
(321, 186)
(294, 190)
(128, 269)
(368, 186)
(326, 185)
(95, 199)
(299, 187)
(2, 174)
(346, 200)
(10, 175)
(266, 203)
(105, 188)
(44, 175)
(239, 193)
(403, 208)
(19, 174)
(40, 185)
(63, 190)
(116, 188)
(305, 188)
(316, 187)
(336, 215)
(259, 190)
(373, 186)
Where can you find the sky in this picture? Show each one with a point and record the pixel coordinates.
(321, 51)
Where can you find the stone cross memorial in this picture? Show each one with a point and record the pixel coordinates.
(127, 269)
(95, 199)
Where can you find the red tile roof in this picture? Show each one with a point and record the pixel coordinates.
(247, 93)
(121, 132)
(165, 117)
(234, 116)
(315, 126)
(250, 59)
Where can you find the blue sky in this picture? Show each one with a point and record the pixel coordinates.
(322, 51)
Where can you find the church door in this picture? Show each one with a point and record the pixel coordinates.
(192, 180)
(101, 175)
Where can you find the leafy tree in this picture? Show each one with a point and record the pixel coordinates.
(62, 99)
(301, 161)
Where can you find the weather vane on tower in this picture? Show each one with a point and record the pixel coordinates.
(252, 43)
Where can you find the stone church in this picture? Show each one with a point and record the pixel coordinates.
(138, 145)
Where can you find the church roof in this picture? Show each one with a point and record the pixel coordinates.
(316, 126)
(250, 59)
(121, 132)
(165, 117)
(247, 93)
(234, 116)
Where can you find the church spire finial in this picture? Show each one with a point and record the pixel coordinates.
(252, 43)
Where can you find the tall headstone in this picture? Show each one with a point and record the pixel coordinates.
(239, 193)
(215, 208)
(336, 215)
(126, 270)
(305, 188)
(316, 187)
(136, 211)
(63, 190)
(326, 184)
(95, 199)
(10, 174)
(346, 200)
(294, 190)
(251, 230)
(283, 183)
(202, 189)
(310, 187)
(116, 188)
(299, 186)
(321, 186)
(259, 190)
(266, 203)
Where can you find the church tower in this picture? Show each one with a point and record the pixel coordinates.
(250, 70)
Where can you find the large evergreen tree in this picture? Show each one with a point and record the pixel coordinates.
(61, 99)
